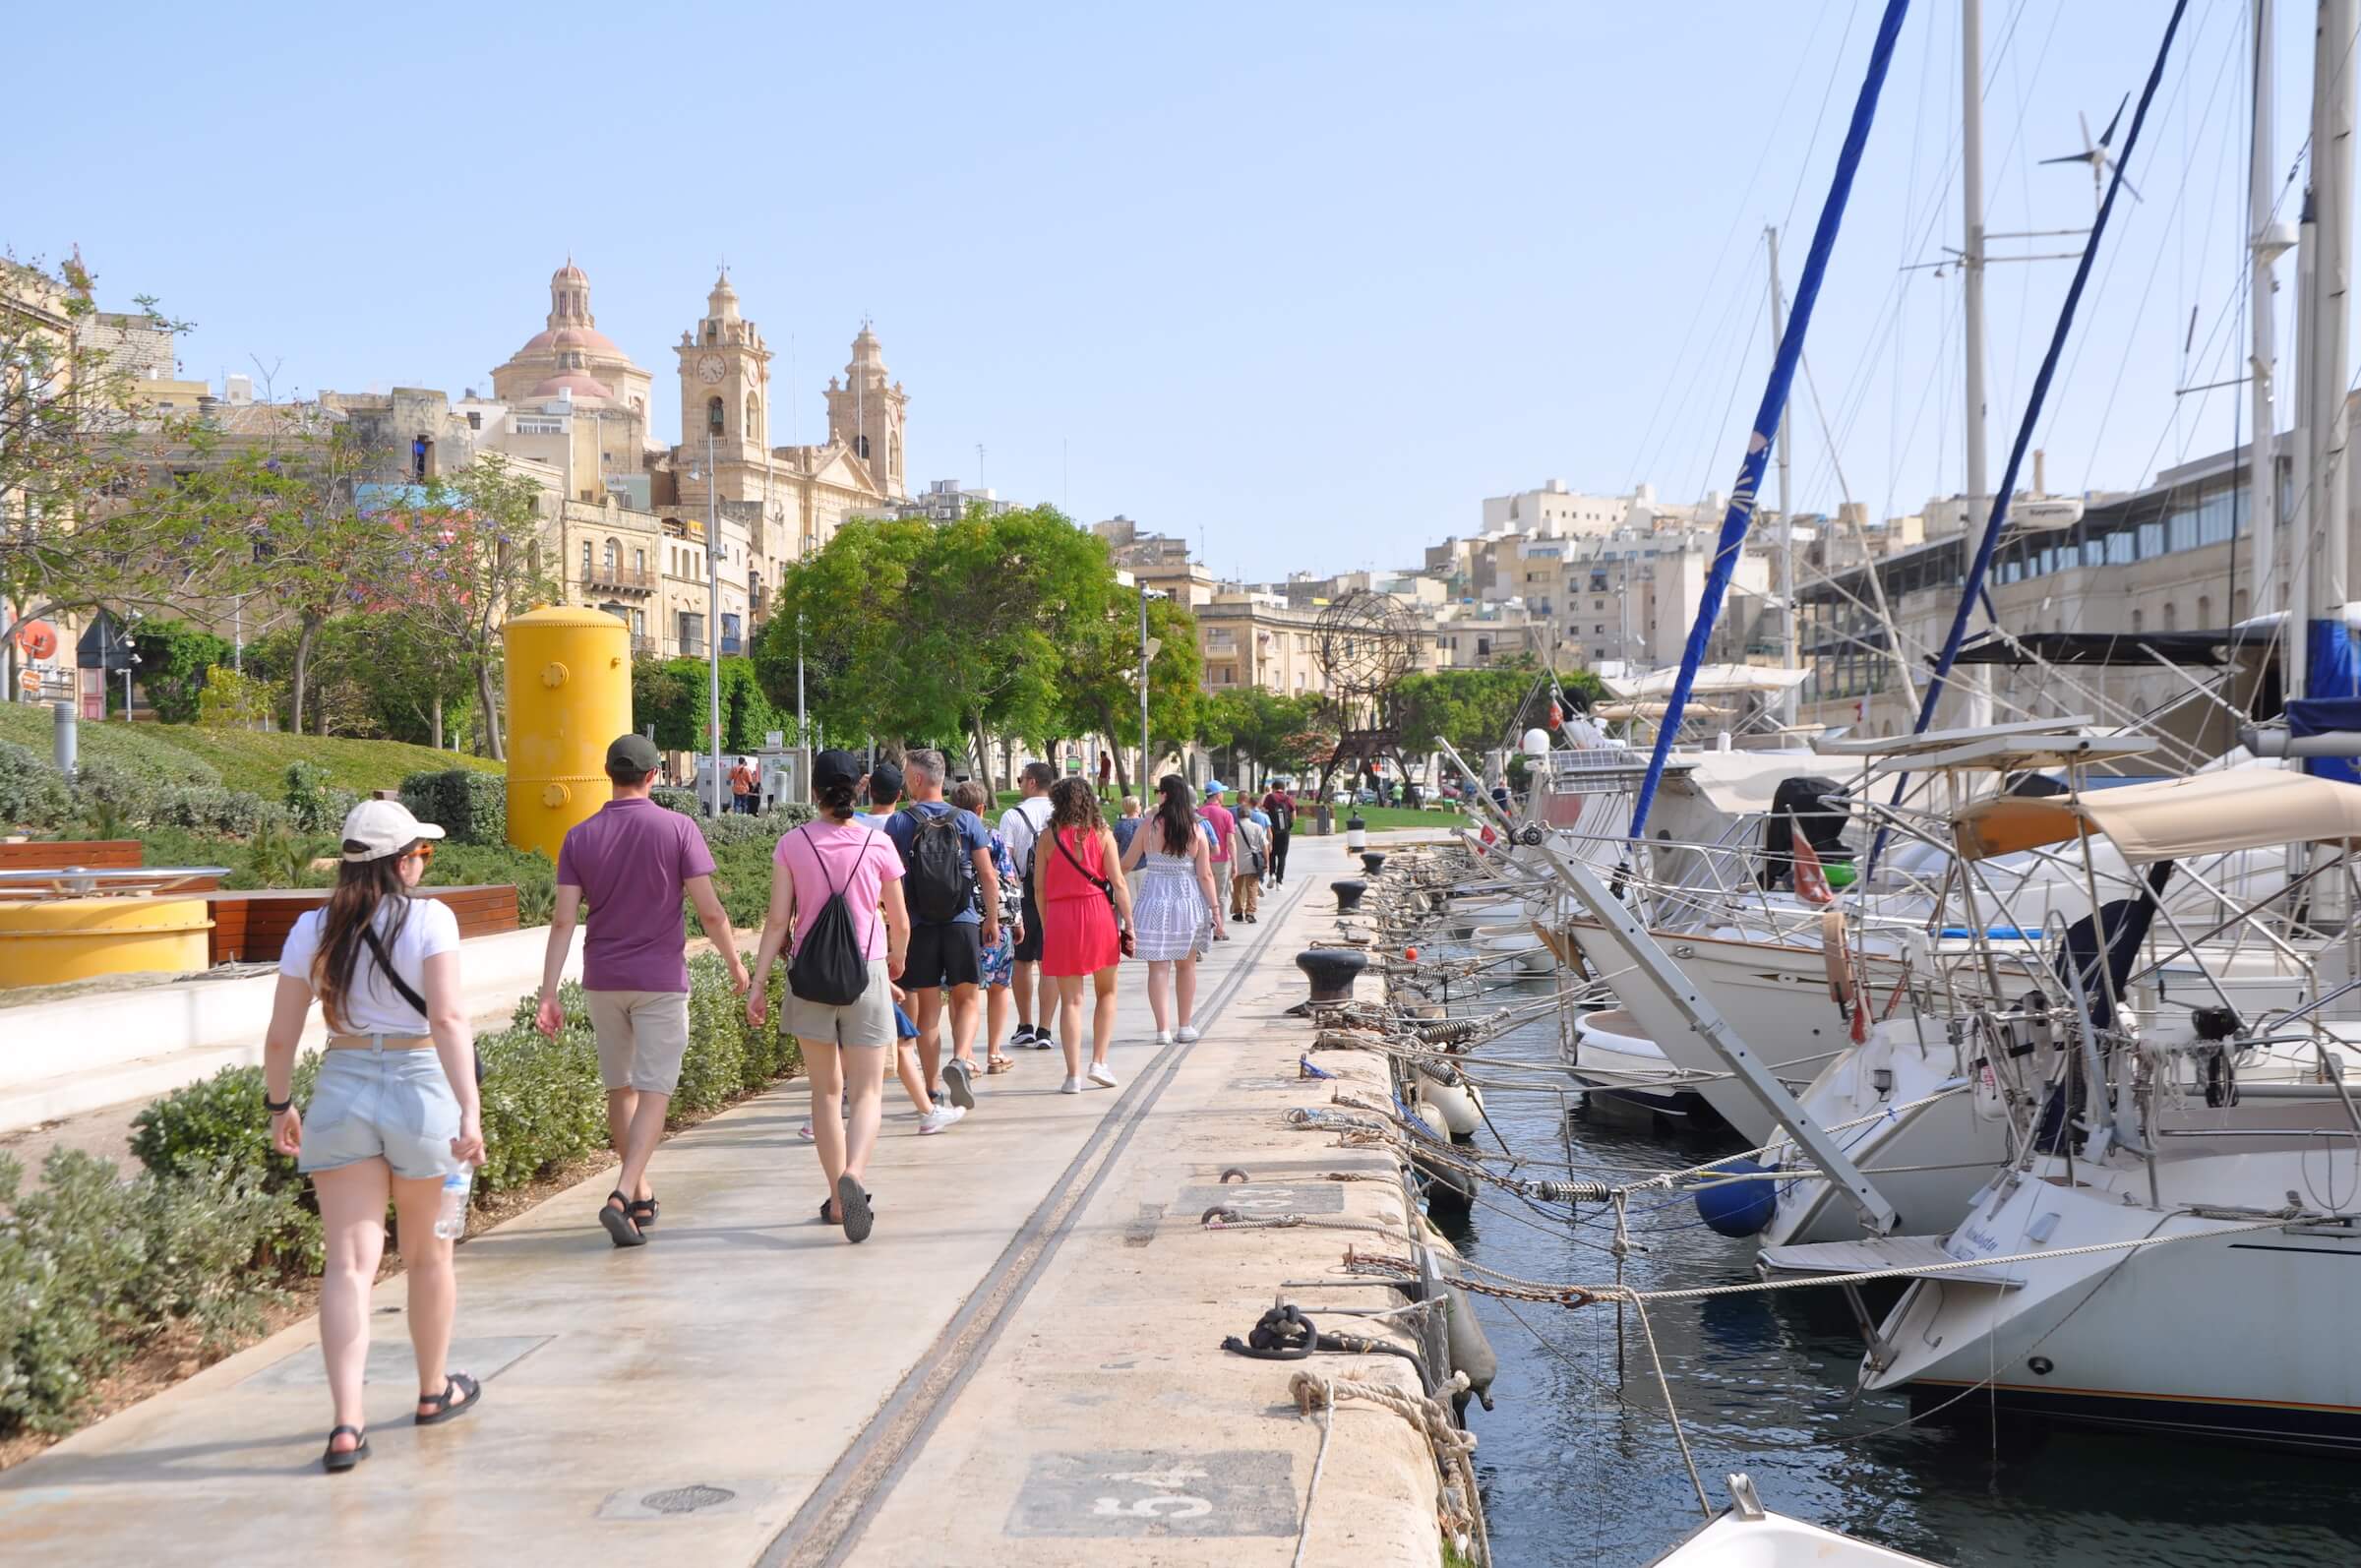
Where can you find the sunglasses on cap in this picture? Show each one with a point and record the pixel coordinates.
(423, 851)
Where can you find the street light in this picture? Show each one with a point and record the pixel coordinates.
(1149, 647)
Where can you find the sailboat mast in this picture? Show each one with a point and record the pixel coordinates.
(2269, 585)
(1788, 654)
(1972, 286)
(2331, 231)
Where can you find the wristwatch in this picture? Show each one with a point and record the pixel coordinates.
(275, 1107)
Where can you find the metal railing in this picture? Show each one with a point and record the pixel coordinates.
(629, 580)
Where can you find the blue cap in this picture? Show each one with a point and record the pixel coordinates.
(1213, 787)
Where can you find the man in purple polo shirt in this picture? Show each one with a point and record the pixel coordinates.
(633, 862)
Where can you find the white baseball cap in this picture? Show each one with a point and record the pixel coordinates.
(375, 829)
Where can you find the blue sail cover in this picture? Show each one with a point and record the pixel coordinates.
(2331, 701)
(1775, 402)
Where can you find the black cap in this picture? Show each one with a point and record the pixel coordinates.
(831, 769)
(885, 782)
(633, 754)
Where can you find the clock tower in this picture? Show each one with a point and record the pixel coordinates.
(725, 382)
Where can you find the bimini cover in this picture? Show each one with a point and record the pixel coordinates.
(2206, 814)
(1713, 679)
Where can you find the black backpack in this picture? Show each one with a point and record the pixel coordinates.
(936, 879)
(828, 967)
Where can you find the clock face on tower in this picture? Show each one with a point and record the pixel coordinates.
(709, 369)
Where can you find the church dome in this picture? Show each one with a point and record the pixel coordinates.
(579, 383)
(569, 273)
(584, 337)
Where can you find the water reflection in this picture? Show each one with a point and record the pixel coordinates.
(1580, 1467)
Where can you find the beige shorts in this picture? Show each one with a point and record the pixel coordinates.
(642, 1034)
(867, 1022)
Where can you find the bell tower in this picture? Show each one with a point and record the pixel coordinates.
(725, 379)
(866, 414)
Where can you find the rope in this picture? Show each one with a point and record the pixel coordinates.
(1459, 1515)
(1319, 1462)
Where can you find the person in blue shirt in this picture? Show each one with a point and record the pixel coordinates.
(947, 954)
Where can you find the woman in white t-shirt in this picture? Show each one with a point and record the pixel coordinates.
(395, 1109)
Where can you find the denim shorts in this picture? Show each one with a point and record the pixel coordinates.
(373, 1103)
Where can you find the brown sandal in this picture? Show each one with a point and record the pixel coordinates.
(995, 1062)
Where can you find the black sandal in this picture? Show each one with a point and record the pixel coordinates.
(337, 1461)
(459, 1392)
(852, 1198)
(644, 1211)
(619, 1220)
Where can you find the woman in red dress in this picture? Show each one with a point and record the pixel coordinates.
(1085, 907)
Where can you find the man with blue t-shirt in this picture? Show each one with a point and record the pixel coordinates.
(953, 895)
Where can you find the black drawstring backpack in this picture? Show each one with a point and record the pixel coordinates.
(828, 967)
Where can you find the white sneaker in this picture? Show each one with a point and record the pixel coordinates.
(939, 1119)
(1164, 1037)
(1071, 1086)
(805, 1132)
(1102, 1075)
(1188, 1035)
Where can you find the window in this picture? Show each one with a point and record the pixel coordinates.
(2238, 605)
(754, 418)
(861, 446)
(639, 562)
(715, 421)
(2172, 616)
(2137, 621)
(475, 419)
(614, 555)
(421, 450)
(2204, 611)
(586, 559)
(713, 332)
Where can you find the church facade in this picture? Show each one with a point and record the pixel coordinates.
(632, 529)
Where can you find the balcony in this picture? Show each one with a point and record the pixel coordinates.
(643, 646)
(691, 648)
(732, 647)
(618, 580)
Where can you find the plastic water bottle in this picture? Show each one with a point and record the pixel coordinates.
(450, 1220)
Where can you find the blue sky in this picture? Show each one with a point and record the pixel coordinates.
(1304, 282)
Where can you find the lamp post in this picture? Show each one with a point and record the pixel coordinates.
(713, 625)
(1148, 648)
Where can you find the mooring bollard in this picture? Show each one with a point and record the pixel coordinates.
(1331, 971)
(1348, 893)
(1372, 860)
(1357, 833)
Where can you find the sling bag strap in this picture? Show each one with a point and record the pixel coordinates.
(1100, 883)
(384, 963)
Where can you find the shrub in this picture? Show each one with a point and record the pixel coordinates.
(211, 808)
(218, 1121)
(675, 799)
(91, 1266)
(114, 795)
(314, 805)
(471, 807)
(174, 661)
(542, 1098)
(33, 793)
(232, 701)
(713, 1069)
(482, 865)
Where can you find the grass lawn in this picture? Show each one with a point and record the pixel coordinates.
(1389, 816)
(246, 759)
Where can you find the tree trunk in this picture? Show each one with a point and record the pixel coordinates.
(308, 631)
(983, 743)
(1116, 749)
(492, 746)
(436, 721)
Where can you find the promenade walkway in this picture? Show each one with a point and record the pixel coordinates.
(1021, 1366)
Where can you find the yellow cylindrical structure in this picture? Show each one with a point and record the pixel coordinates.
(570, 696)
(49, 941)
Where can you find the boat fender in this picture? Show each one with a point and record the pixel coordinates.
(1470, 1352)
(1456, 1104)
(1738, 1209)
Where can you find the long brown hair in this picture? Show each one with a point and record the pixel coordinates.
(363, 886)
(1175, 822)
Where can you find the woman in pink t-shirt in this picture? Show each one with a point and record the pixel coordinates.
(831, 856)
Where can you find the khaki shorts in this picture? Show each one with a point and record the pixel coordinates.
(865, 1021)
(642, 1034)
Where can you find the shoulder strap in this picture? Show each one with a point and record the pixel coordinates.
(385, 964)
(1100, 883)
(821, 860)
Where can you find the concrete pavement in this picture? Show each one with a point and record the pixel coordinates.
(1021, 1364)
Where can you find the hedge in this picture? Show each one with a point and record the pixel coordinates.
(216, 1224)
(471, 807)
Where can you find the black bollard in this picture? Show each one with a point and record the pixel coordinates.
(1348, 892)
(1332, 971)
(1372, 860)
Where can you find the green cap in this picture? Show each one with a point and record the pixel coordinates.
(633, 754)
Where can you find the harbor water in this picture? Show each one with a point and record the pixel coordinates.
(1580, 1467)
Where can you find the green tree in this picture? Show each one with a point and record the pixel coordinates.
(400, 669)
(676, 696)
(462, 556)
(1478, 709)
(173, 659)
(1100, 684)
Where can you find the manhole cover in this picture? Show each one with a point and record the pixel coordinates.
(686, 1499)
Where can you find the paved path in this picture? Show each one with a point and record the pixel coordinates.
(1021, 1364)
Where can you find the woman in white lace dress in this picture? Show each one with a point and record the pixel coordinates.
(1175, 907)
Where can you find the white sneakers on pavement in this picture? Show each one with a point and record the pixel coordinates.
(939, 1119)
(1188, 1035)
(1102, 1075)
(1071, 1086)
(1164, 1037)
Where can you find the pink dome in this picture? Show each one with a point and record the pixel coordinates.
(539, 340)
(586, 337)
(569, 273)
(574, 381)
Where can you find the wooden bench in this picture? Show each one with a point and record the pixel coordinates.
(90, 854)
(251, 928)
